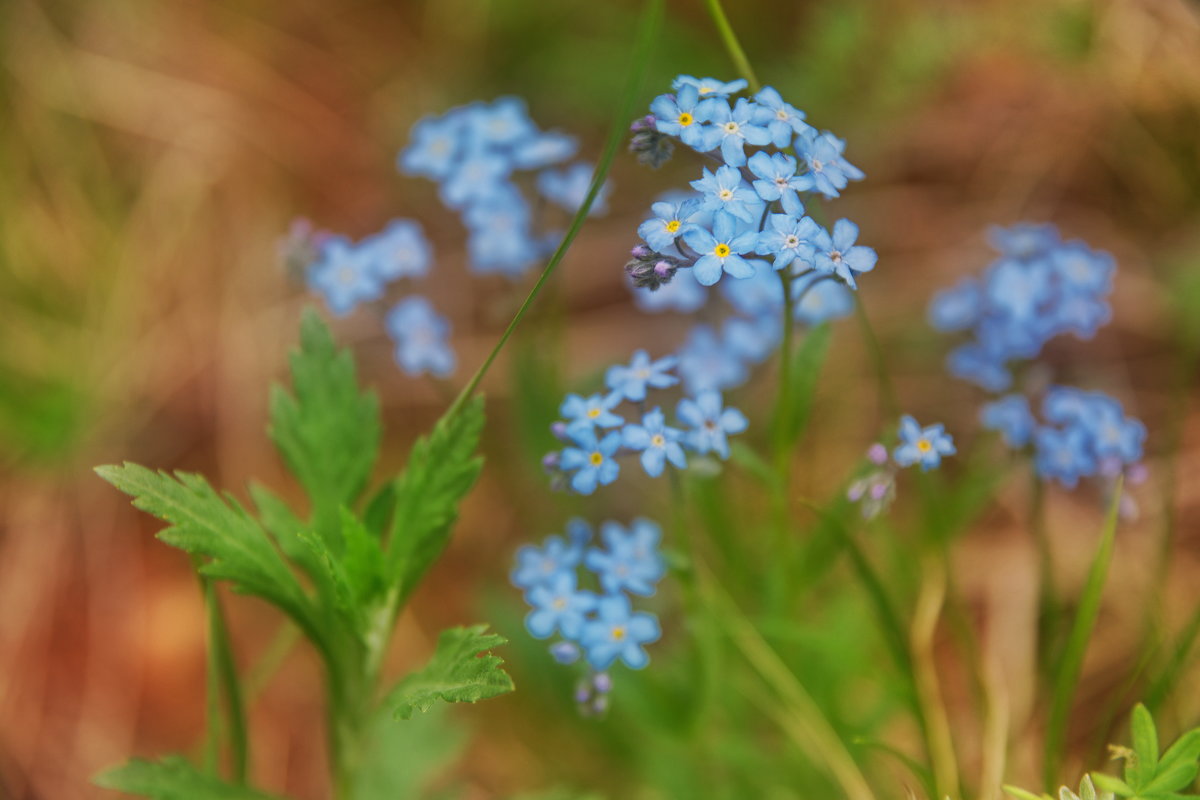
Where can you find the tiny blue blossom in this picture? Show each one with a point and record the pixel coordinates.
(537, 565)
(781, 119)
(924, 446)
(974, 363)
(751, 339)
(777, 180)
(568, 188)
(706, 363)
(657, 442)
(343, 276)
(789, 238)
(435, 147)
(544, 150)
(957, 308)
(710, 422)
(631, 561)
(820, 299)
(839, 255)
(596, 410)
(709, 87)
(1064, 455)
(592, 460)
(420, 335)
(1010, 415)
(726, 190)
(668, 223)
(479, 177)
(398, 251)
(1024, 241)
(678, 115)
(737, 127)
(721, 250)
(828, 172)
(618, 633)
(558, 606)
(631, 381)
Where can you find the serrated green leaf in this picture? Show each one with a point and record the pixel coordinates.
(173, 778)
(378, 513)
(441, 470)
(205, 524)
(286, 528)
(461, 671)
(328, 432)
(358, 575)
(1109, 783)
(805, 375)
(1021, 794)
(1139, 770)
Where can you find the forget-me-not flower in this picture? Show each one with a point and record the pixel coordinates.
(678, 115)
(838, 254)
(657, 442)
(398, 251)
(538, 565)
(1010, 415)
(721, 249)
(709, 87)
(706, 363)
(924, 446)
(618, 633)
(956, 308)
(781, 119)
(828, 172)
(630, 381)
(711, 422)
(789, 238)
(737, 127)
(726, 190)
(558, 606)
(668, 223)
(593, 460)
(568, 188)
(343, 276)
(596, 410)
(777, 180)
(420, 335)
(630, 561)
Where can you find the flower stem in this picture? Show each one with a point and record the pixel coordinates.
(736, 54)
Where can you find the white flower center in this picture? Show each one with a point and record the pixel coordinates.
(731, 127)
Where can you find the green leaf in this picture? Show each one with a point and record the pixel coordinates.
(459, 672)
(287, 529)
(1139, 770)
(328, 432)
(172, 778)
(441, 470)
(1108, 783)
(205, 524)
(1172, 778)
(806, 370)
(400, 761)
(1021, 794)
(358, 575)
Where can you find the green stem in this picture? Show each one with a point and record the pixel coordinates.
(887, 393)
(225, 709)
(776, 584)
(647, 34)
(1071, 664)
(930, 600)
(732, 46)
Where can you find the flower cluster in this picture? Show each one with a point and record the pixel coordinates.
(598, 623)
(596, 436)
(918, 445)
(749, 207)
(474, 153)
(1039, 287)
(1081, 434)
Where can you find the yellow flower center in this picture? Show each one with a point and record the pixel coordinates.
(593, 413)
(781, 115)
(707, 89)
(618, 632)
(560, 603)
(686, 119)
(725, 194)
(731, 127)
(924, 446)
(672, 226)
(658, 440)
(721, 250)
(597, 458)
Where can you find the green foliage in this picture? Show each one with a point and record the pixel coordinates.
(461, 671)
(173, 778)
(430, 743)
(218, 529)
(1149, 776)
(441, 470)
(805, 374)
(328, 431)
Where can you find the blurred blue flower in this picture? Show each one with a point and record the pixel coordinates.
(398, 251)
(592, 460)
(630, 381)
(558, 606)
(683, 294)
(753, 340)
(708, 87)
(710, 422)
(924, 446)
(1064, 455)
(618, 633)
(705, 363)
(631, 561)
(820, 298)
(657, 442)
(343, 276)
(1010, 415)
(1024, 241)
(568, 188)
(538, 565)
(956, 308)
(420, 335)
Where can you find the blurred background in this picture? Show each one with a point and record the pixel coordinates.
(152, 154)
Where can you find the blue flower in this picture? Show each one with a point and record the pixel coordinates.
(631, 563)
(722, 249)
(705, 363)
(631, 381)
(781, 119)
(618, 633)
(592, 460)
(343, 276)
(480, 177)
(568, 188)
(956, 308)
(558, 605)
(924, 446)
(592, 411)
(504, 123)
(1024, 241)
(777, 180)
(975, 363)
(820, 298)
(708, 87)
(751, 339)
(710, 422)
(677, 115)
(789, 238)
(538, 565)
(668, 223)
(1064, 455)
(1018, 288)
(725, 190)
(398, 251)
(1082, 269)
(760, 295)
(420, 336)
(544, 149)
(683, 294)
(435, 143)
(657, 443)
(838, 255)
(736, 126)
(828, 172)
(1010, 415)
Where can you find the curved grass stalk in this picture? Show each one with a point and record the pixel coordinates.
(925, 617)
